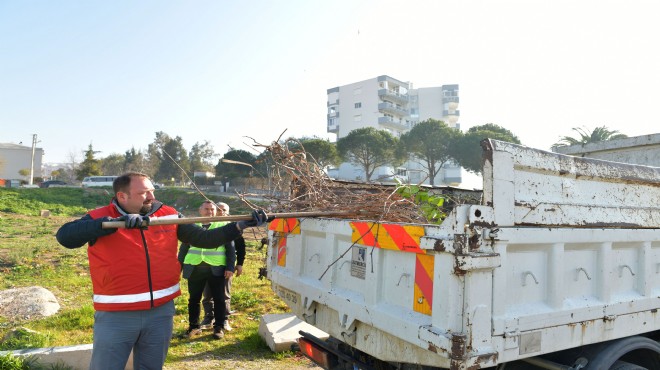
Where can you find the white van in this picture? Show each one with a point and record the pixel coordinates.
(93, 181)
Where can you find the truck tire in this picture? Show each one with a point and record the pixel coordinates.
(622, 365)
(646, 350)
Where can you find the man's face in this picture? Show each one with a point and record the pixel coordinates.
(223, 210)
(207, 210)
(140, 196)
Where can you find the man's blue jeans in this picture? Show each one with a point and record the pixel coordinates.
(147, 333)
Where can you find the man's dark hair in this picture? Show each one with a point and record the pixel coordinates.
(123, 182)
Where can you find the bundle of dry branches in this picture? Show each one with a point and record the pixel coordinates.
(298, 183)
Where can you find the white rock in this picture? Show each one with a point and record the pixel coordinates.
(26, 303)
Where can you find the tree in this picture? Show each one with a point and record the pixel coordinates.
(155, 156)
(369, 148)
(134, 160)
(468, 149)
(175, 164)
(430, 142)
(25, 172)
(233, 170)
(72, 166)
(321, 150)
(90, 166)
(601, 133)
(201, 157)
(114, 164)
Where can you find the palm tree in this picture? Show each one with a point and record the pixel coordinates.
(598, 134)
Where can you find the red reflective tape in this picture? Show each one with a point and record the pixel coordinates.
(365, 235)
(292, 225)
(423, 279)
(401, 238)
(285, 225)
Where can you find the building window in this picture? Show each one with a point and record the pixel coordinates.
(358, 105)
(357, 118)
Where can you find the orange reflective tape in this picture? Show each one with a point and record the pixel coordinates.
(281, 250)
(285, 225)
(423, 293)
(388, 236)
(363, 233)
(273, 225)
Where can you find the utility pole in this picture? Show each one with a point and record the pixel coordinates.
(34, 144)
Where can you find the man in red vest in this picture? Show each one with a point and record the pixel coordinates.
(135, 271)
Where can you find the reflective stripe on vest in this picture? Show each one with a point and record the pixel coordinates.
(134, 298)
(214, 257)
(212, 252)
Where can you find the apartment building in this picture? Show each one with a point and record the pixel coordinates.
(395, 106)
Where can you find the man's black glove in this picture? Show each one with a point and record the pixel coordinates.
(259, 217)
(135, 221)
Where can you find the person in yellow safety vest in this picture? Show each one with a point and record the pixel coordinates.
(202, 267)
(207, 298)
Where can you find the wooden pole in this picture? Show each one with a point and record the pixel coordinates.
(202, 220)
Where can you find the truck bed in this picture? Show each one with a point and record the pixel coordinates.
(563, 252)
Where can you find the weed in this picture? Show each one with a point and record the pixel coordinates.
(244, 299)
(429, 204)
(11, 362)
(23, 338)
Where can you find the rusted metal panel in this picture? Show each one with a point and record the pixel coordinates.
(528, 186)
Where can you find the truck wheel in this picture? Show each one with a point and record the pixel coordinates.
(622, 365)
(642, 350)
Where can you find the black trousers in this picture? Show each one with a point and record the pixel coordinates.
(207, 299)
(200, 276)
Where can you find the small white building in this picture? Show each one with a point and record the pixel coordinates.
(15, 157)
(644, 150)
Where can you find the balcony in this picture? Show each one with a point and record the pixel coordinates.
(387, 107)
(333, 124)
(395, 124)
(393, 96)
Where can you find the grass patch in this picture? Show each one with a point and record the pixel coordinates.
(22, 338)
(11, 362)
(59, 201)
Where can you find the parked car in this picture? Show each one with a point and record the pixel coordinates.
(50, 183)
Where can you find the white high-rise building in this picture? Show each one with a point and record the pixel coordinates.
(389, 104)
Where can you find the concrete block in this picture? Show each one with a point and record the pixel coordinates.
(280, 330)
(77, 357)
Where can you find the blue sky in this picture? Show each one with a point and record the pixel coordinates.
(112, 73)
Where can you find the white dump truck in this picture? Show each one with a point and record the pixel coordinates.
(558, 267)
